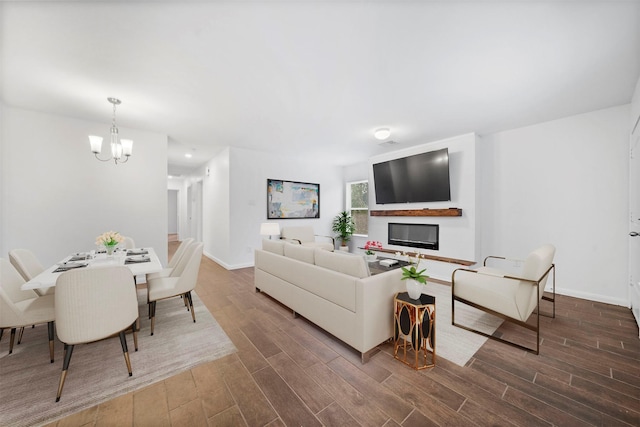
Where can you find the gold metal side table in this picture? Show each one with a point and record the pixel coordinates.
(414, 330)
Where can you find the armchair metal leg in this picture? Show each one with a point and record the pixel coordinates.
(68, 351)
(20, 334)
(536, 328)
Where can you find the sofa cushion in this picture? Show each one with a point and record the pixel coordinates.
(330, 285)
(274, 246)
(352, 265)
(301, 253)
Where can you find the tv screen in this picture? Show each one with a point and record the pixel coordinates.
(420, 178)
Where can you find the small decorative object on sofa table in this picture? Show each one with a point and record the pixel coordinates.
(109, 240)
(370, 255)
(414, 329)
(414, 278)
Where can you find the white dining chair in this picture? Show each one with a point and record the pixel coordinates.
(93, 304)
(177, 256)
(28, 265)
(20, 308)
(128, 243)
(180, 282)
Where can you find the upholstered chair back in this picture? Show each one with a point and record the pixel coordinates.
(179, 252)
(94, 303)
(535, 265)
(189, 275)
(11, 281)
(26, 263)
(12, 298)
(184, 260)
(128, 243)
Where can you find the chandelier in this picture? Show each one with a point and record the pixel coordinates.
(119, 147)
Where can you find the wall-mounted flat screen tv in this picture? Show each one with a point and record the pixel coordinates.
(420, 178)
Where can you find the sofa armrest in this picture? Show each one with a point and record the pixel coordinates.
(374, 305)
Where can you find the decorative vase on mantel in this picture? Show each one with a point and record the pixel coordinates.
(414, 288)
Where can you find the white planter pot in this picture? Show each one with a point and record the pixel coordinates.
(414, 288)
(370, 258)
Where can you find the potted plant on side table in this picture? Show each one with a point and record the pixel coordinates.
(414, 279)
(343, 226)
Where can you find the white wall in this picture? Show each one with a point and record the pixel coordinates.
(458, 237)
(57, 197)
(236, 200)
(563, 182)
(216, 209)
(172, 211)
(3, 248)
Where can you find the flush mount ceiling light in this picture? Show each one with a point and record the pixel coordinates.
(382, 134)
(119, 147)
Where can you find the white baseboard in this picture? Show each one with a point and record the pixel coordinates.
(225, 265)
(591, 296)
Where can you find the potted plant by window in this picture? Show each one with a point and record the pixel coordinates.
(415, 279)
(344, 227)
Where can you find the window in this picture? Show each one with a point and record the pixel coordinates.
(358, 205)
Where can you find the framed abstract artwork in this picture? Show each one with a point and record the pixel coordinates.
(290, 199)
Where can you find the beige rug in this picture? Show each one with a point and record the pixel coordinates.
(97, 372)
(456, 344)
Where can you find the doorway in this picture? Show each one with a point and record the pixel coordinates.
(172, 215)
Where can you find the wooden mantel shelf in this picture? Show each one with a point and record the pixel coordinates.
(419, 212)
(425, 256)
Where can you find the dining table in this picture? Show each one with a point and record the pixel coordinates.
(140, 261)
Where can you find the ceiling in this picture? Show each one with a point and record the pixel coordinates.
(318, 77)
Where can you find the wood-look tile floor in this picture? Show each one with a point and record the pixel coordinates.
(289, 372)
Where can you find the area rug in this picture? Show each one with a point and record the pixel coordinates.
(97, 371)
(456, 344)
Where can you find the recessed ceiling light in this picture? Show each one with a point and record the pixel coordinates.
(188, 155)
(170, 177)
(382, 134)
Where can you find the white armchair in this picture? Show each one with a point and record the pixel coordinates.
(304, 236)
(510, 297)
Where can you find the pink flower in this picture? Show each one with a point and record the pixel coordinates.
(373, 244)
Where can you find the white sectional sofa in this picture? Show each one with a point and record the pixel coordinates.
(334, 290)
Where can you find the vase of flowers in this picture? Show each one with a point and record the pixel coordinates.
(109, 240)
(414, 279)
(369, 247)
